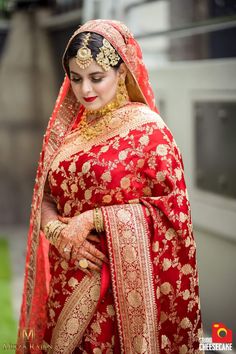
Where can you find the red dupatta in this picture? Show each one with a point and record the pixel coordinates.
(37, 276)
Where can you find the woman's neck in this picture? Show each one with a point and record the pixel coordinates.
(105, 110)
(120, 100)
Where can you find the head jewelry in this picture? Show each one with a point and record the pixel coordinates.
(106, 57)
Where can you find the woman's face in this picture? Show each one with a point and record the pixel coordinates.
(93, 87)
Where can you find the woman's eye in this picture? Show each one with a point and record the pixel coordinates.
(96, 79)
(74, 79)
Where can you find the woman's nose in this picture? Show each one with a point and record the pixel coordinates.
(85, 88)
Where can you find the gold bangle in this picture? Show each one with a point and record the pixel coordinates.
(52, 230)
(55, 234)
(98, 220)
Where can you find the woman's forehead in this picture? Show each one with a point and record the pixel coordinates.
(93, 67)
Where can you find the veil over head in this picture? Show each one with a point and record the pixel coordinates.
(137, 81)
(66, 111)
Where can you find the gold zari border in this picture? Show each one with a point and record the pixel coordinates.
(76, 315)
(128, 242)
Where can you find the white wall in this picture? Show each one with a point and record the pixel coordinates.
(178, 85)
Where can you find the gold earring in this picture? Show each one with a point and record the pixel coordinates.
(122, 93)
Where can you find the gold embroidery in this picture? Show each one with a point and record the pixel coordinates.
(129, 117)
(160, 176)
(170, 234)
(187, 269)
(65, 117)
(133, 289)
(155, 246)
(185, 323)
(161, 150)
(111, 310)
(76, 315)
(165, 288)
(73, 282)
(186, 294)
(166, 264)
(164, 341)
(107, 198)
(183, 349)
(125, 182)
(106, 176)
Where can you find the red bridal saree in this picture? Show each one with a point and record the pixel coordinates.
(146, 299)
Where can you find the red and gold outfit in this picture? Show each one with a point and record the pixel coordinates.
(146, 299)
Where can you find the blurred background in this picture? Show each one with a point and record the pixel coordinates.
(189, 47)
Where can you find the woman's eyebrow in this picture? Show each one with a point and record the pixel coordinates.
(73, 72)
(93, 73)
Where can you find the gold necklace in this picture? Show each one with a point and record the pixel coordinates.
(108, 108)
(102, 117)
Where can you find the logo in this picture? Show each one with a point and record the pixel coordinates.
(28, 342)
(28, 333)
(221, 339)
(221, 334)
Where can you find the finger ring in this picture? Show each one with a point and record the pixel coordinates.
(66, 249)
(83, 263)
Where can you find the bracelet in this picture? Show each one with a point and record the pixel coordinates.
(98, 220)
(52, 230)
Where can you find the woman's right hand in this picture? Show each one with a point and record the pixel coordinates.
(86, 251)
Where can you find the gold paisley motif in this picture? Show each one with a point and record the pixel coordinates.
(134, 298)
(140, 344)
(123, 215)
(130, 254)
(72, 326)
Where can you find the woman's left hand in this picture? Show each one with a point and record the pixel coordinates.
(78, 231)
(78, 227)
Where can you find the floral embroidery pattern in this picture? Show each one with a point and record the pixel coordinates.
(139, 164)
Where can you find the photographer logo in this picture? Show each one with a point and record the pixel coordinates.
(221, 334)
(221, 339)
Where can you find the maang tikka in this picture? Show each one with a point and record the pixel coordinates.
(106, 57)
(84, 55)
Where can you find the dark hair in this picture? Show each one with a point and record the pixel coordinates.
(95, 42)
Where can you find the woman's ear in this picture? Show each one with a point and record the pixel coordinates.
(122, 71)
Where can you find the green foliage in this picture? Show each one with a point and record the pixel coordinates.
(8, 327)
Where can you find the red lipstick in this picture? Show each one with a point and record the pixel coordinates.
(90, 99)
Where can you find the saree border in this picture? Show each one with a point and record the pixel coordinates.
(76, 315)
(126, 118)
(66, 115)
(132, 280)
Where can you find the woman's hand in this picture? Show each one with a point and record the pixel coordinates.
(74, 241)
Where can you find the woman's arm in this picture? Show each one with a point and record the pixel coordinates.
(68, 234)
(48, 210)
